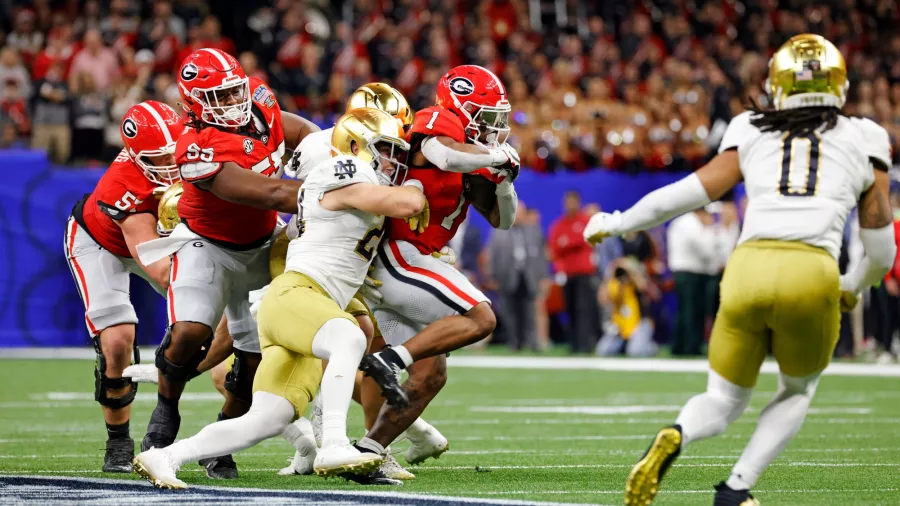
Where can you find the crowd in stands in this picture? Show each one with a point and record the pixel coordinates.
(633, 86)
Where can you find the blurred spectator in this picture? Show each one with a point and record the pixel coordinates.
(89, 117)
(212, 32)
(25, 38)
(573, 263)
(517, 265)
(51, 116)
(12, 70)
(59, 50)
(14, 109)
(163, 20)
(95, 59)
(694, 259)
(629, 330)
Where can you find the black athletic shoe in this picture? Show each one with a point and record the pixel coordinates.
(162, 429)
(727, 496)
(376, 477)
(119, 453)
(384, 375)
(643, 482)
(220, 468)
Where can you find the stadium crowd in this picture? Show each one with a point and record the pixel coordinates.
(629, 86)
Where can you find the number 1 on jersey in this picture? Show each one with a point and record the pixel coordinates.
(789, 162)
(448, 221)
(434, 116)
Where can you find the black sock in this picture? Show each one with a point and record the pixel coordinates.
(363, 449)
(120, 431)
(168, 405)
(392, 358)
(222, 416)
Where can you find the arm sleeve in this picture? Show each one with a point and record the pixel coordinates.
(446, 158)
(880, 253)
(508, 203)
(664, 204)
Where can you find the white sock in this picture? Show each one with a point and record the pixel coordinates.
(268, 416)
(417, 429)
(709, 413)
(404, 355)
(343, 344)
(300, 435)
(778, 423)
(371, 444)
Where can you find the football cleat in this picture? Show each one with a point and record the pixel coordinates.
(340, 458)
(376, 477)
(383, 374)
(643, 481)
(425, 444)
(220, 468)
(119, 453)
(301, 437)
(392, 469)
(156, 466)
(727, 496)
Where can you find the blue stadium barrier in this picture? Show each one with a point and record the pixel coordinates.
(40, 305)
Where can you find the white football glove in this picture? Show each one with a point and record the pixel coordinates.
(142, 373)
(601, 226)
(256, 297)
(370, 288)
(446, 255)
(508, 161)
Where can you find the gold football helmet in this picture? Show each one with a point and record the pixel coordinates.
(807, 71)
(378, 139)
(168, 209)
(384, 97)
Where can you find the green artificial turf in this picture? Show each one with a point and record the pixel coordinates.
(545, 435)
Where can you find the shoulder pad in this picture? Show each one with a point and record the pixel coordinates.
(437, 121)
(876, 141)
(739, 129)
(339, 171)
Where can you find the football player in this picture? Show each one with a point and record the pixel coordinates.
(303, 317)
(230, 160)
(805, 166)
(424, 439)
(463, 134)
(103, 231)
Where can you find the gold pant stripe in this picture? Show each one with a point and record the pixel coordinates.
(776, 295)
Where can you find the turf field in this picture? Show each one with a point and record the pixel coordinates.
(522, 434)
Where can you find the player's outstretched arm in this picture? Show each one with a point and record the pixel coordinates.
(296, 129)
(709, 183)
(392, 201)
(876, 223)
(241, 186)
(140, 228)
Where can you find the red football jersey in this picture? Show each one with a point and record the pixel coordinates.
(443, 189)
(123, 190)
(259, 147)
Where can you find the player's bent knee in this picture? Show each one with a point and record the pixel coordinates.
(735, 397)
(483, 317)
(338, 335)
(799, 386)
(113, 391)
(239, 380)
(181, 366)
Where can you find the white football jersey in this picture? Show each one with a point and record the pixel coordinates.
(314, 149)
(336, 247)
(801, 188)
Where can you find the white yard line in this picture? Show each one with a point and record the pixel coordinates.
(516, 362)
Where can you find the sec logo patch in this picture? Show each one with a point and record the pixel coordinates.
(248, 146)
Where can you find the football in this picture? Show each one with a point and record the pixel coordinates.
(480, 192)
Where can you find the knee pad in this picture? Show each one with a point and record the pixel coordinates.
(338, 334)
(238, 380)
(175, 372)
(102, 382)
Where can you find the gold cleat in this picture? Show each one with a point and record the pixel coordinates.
(345, 459)
(643, 481)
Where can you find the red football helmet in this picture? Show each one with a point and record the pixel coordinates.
(478, 97)
(215, 88)
(151, 129)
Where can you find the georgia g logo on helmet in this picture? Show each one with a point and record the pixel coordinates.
(461, 86)
(189, 72)
(129, 128)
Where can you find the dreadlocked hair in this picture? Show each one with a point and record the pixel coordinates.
(801, 121)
